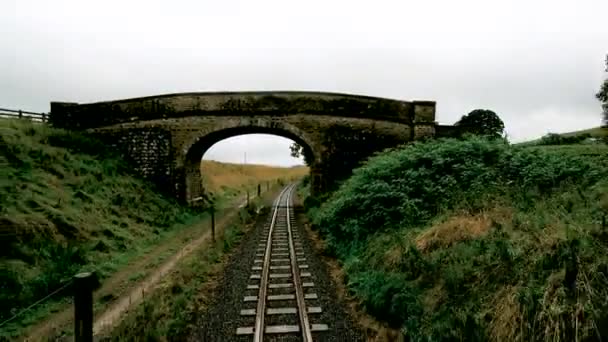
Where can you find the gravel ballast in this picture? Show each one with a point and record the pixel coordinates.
(221, 319)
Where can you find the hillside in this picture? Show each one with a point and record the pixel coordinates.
(67, 204)
(225, 179)
(596, 132)
(476, 240)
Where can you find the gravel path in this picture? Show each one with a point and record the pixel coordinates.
(221, 319)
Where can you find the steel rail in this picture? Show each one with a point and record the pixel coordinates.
(261, 308)
(302, 313)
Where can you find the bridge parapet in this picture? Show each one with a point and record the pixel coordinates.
(278, 103)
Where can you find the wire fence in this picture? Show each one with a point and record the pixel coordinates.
(38, 302)
(66, 286)
(220, 214)
(23, 114)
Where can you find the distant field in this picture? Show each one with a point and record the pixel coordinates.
(578, 149)
(226, 178)
(596, 132)
(589, 150)
(596, 152)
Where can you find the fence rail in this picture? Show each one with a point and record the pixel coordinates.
(23, 114)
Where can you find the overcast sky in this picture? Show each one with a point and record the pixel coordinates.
(537, 63)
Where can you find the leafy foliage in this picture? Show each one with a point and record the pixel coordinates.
(438, 238)
(602, 95)
(297, 151)
(482, 122)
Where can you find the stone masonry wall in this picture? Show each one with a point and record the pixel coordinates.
(148, 150)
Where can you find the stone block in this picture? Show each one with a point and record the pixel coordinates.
(424, 111)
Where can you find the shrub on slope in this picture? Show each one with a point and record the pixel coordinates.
(476, 240)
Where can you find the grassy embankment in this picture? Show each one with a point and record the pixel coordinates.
(172, 310)
(69, 205)
(477, 240)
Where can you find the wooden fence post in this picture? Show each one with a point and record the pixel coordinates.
(259, 189)
(20, 114)
(213, 222)
(83, 306)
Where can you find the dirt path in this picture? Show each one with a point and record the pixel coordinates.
(114, 312)
(123, 290)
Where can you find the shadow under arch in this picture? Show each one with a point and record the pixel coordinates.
(194, 191)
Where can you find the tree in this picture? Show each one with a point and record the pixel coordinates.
(298, 151)
(482, 122)
(602, 95)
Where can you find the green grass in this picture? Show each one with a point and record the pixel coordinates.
(68, 204)
(595, 153)
(477, 240)
(171, 311)
(596, 132)
(600, 133)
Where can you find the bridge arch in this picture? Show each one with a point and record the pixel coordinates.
(165, 136)
(196, 146)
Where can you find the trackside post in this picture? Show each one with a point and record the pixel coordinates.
(213, 222)
(84, 283)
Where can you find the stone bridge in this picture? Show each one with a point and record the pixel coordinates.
(166, 136)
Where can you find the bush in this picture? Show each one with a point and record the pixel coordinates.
(409, 186)
(438, 237)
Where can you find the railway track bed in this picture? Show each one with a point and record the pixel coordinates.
(276, 289)
(281, 287)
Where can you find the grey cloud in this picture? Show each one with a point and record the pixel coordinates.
(265, 149)
(536, 63)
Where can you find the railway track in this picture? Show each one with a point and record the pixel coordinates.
(280, 297)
